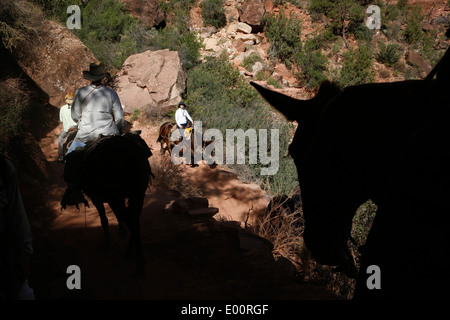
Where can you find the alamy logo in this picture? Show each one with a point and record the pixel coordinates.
(74, 21)
(235, 148)
(373, 17)
(374, 280)
(74, 280)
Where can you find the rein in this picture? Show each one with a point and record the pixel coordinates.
(89, 94)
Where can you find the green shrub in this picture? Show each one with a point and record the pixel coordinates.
(14, 104)
(357, 67)
(362, 221)
(313, 65)
(283, 34)
(213, 13)
(177, 11)
(402, 4)
(390, 13)
(320, 6)
(18, 19)
(105, 19)
(57, 9)
(389, 54)
(273, 82)
(413, 31)
(363, 33)
(344, 15)
(427, 47)
(185, 42)
(250, 60)
(262, 75)
(188, 49)
(135, 115)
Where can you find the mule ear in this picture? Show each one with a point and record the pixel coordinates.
(299, 110)
(293, 109)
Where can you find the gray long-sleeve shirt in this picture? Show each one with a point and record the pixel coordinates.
(97, 110)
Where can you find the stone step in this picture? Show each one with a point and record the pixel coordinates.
(203, 213)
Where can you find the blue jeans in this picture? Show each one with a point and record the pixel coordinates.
(181, 128)
(60, 142)
(75, 144)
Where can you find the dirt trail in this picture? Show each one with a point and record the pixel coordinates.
(185, 260)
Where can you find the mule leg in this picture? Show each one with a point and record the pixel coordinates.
(162, 147)
(135, 205)
(169, 146)
(104, 220)
(119, 209)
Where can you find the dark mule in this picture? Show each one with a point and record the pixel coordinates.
(387, 142)
(114, 170)
(165, 132)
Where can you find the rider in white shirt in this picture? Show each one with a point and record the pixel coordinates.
(65, 117)
(182, 117)
(96, 108)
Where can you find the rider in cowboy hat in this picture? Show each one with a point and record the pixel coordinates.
(98, 111)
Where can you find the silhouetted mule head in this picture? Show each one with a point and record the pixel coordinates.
(329, 200)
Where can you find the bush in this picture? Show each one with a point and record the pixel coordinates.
(390, 14)
(274, 83)
(389, 54)
(250, 60)
(105, 19)
(171, 176)
(357, 67)
(177, 11)
(185, 42)
(427, 47)
(344, 15)
(320, 6)
(363, 33)
(413, 31)
(402, 4)
(313, 65)
(283, 34)
(213, 13)
(283, 228)
(18, 20)
(14, 104)
(57, 9)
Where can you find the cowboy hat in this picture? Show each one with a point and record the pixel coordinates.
(94, 73)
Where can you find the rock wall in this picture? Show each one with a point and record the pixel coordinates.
(55, 60)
